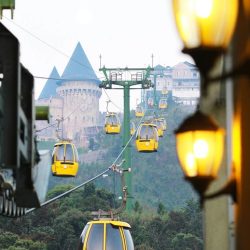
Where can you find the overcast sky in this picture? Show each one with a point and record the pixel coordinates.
(124, 32)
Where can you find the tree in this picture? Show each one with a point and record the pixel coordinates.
(137, 207)
(161, 210)
(187, 241)
(7, 239)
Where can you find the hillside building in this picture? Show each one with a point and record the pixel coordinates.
(181, 80)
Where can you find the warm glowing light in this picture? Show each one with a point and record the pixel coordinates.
(203, 8)
(200, 149)
(190, 161)
(199, 144)
(207, 23)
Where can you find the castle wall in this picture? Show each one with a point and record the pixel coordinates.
(80, 107)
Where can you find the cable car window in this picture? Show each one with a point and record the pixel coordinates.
(82, 237)
(114, 238)
(129, 240)
(95, 240)
(143, 132)
(147, 132)
(155, 134)
(139, 109)
(150, 132)
(53, 155)
(75, 153)
(60, 152)
(114, 120)
(69, 153)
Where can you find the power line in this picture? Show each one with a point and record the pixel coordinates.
(47, 44)
(90, 180)
(69, 191)
(63, 118)
(59, 79)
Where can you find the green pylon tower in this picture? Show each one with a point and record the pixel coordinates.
(118, 77)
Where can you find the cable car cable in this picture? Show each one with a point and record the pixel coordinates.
(88, 181)
(63, 119)
(69, 191)
(47, 44)
(112, 101)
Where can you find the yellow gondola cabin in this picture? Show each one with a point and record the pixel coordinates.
(106, 234)
(139, 111)
(147, 138)
(164, 123)
(163, 104)
(112, 124)
(64, 159)
(159, 125)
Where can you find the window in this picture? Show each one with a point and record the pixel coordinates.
(146, 132)
(113, 238)
(129, 240)
(69, 153)
(95, 239)
(60, 152)
(82, 237)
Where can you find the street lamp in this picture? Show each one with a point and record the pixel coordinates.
(200, 143)
(206, 28)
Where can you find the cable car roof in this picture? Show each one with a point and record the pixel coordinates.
(62, 143)
(111, 114)
(110, 221)
(148, 124)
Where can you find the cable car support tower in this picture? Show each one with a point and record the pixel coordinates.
(126, 79)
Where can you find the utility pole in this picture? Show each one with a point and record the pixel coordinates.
(117, 76)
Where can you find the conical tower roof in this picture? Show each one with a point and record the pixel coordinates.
(49, 89)
(79, 67)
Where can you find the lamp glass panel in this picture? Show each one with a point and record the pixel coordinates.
(205, 22)
(200, 152)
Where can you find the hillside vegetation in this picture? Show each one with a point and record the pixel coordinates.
(157, 177)
(58, 226)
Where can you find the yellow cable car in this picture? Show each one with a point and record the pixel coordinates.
(106, 234)
(147, 138)
(139, 111)
(164, 123)
(159, 126)
(112, 124)
(163, 104)
(64, 159)
(132, 128)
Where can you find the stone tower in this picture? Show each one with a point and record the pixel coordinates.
(73, 98)
(79, 89)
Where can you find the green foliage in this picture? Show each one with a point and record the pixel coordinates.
(137, 207)
(188, 241)
(161, 210)
(8, 239)
(59, 190)
(11, 241)
(59, 225)
(166, 215)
